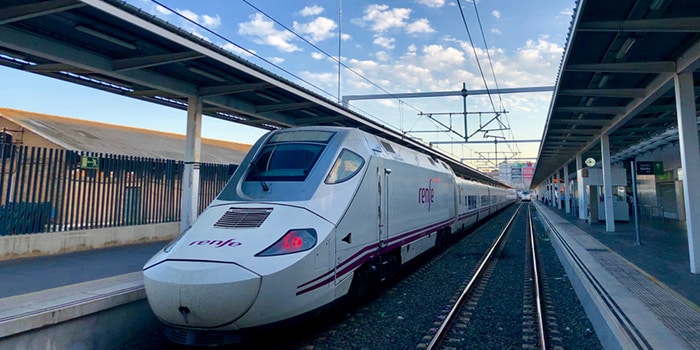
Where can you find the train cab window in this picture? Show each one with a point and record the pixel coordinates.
(345, 167)
(289, 156)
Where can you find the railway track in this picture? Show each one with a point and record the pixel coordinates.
(538, 321)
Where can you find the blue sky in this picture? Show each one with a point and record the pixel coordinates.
(391, 46)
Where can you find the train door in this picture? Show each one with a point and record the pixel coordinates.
(383, 205)
(489, 201)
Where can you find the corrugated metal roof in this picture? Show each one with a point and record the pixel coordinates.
(616, 78)
(84, 135)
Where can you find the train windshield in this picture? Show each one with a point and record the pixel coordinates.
(289, 156)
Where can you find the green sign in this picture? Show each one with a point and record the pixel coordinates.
(650, 168)
(87, 162)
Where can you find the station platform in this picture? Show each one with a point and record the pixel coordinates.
(101, 289)
(28, 275)
(637, 296)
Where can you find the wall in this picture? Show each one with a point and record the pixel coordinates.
(654, 191)
(19, 246)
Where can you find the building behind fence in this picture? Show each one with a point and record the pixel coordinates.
(48, 190)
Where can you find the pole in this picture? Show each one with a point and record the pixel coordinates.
(340, 43)
(464, 107)
(495, 153)
(634, 201)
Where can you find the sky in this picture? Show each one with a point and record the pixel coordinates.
(385, 47)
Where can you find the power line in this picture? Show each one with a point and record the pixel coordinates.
(324, 52)
(476, 56)
(238, 46)
(488, 55)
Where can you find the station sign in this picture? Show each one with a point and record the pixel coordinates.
(650, 168)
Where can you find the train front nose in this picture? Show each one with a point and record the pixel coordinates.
(200, 294)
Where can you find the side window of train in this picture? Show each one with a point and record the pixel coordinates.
(472, 202)
(345, 167)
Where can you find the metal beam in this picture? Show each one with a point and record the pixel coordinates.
(232, 89)
(22, 12)
(283, 107)
(59, 52)
(594, 122)
(348, 98)
(624, 67)
(482, 142)
(154, 60)
(683, 24)
(591, 110)
(631, 93)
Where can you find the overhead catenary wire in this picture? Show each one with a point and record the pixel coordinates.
(488, 55)
(481, 71)
(476, 55)
(252, 53)
(495, 80)
(333, 58)
(337, 60)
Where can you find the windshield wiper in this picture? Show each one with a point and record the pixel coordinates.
(265, 187)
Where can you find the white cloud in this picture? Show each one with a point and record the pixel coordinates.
(237, 50)
(382, 56)
(380, 18)
(311, 11)
(262, 31)
(325, 79)
(496, 31)
(204, 20)
(162, 10)
(387, 43)
(317, 30)
(317, 55)
(438, 57)
(443, 66)
(567, 12)
(496, 14)
(420, 26)
(432, 3)
(275, 60)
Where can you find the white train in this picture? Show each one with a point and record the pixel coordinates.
(311, 215)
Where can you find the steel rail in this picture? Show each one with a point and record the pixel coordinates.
(536, 284)
(468, 289)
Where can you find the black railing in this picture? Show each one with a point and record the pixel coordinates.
(47, 190)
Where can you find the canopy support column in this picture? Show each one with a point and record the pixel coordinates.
(690, 161)
(581, 189)
(567, 202)
(607, 184)
(190, 178)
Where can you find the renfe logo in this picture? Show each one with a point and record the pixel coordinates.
(217, 242)
(426, 195)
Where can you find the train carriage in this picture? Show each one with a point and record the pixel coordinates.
(311, 215)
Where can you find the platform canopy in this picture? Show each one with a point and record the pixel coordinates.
(115, 47)
(616, 78)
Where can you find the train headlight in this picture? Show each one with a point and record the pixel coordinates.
(294, 241)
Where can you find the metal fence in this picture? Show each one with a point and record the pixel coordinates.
(47, 190)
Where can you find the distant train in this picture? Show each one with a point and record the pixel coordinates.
(312, 214)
